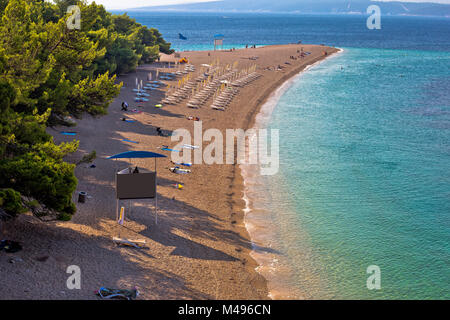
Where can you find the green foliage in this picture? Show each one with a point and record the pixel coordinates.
(49, 72)
(30, 163)
(11, 203)
(37, 175)
(89, 158)
(129, 44)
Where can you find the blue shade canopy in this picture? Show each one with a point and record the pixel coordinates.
(137, 155)
(219, 36)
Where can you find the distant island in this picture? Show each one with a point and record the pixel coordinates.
(310, 7)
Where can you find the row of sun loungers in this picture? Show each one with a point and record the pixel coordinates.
(209, 90)
(198, 99)
(181, 93)
(246, 80)
(188, 68)
(186, 91)
(222, 101)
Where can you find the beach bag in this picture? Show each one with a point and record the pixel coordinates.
(107, 293)
(10, 246)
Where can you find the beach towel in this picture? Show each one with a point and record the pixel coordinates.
(167, 149)
(141, 100)
(131, 141)
(107, 293)
(135, 111)
(183, 164)
(69, 133)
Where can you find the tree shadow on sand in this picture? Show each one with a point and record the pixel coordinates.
(193, 221)
(100, 261)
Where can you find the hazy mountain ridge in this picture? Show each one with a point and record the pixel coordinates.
(309, 6)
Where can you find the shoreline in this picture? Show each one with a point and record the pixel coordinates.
(200, 249)
(251, 119)
(261, 121)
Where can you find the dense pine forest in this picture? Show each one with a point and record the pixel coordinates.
(50, 73)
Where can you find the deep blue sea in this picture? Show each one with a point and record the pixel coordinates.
(365, 153)
(417, 33)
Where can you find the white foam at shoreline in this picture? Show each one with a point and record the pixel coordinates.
(261, 121)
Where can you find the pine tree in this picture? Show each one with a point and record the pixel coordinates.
(47, 73)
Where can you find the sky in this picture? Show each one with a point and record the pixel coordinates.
(121, 4)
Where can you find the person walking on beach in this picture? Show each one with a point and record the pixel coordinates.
(124, 106)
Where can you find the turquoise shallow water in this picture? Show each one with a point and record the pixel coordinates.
(365, 159)
(365, 149)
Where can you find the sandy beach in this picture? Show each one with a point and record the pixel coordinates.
(200, 248)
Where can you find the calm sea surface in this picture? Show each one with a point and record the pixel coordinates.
(365, 154)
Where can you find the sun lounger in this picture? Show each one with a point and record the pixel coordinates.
(107, 293)
(178, 170)
(130, 243)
